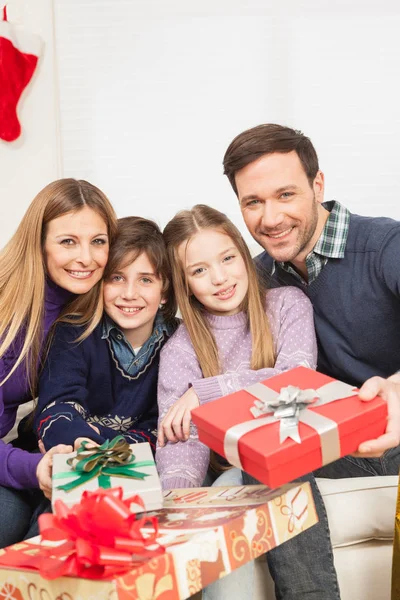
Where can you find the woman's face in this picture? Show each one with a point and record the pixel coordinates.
(76, 250)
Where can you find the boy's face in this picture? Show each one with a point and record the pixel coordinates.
(132, 297)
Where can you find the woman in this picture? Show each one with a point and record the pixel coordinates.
(50, 269)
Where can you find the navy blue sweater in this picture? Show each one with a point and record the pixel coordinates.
(82, 383)
(356, 302)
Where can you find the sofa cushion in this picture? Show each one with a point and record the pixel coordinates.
(360, 508)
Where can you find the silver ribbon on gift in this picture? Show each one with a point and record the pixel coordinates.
(289, 407)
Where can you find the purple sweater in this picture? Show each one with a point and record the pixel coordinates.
(290, 314)
(18, 467)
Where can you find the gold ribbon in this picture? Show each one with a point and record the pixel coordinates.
(289, 407)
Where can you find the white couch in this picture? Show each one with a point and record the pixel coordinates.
(361, 514)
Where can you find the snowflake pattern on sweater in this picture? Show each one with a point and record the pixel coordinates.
(290, 313)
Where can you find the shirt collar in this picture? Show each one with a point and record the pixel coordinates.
(160, 326)
(332, 241)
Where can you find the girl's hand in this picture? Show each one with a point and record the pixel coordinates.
(45, 467)
(175, 426)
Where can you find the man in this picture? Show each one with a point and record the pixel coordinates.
(348, 265)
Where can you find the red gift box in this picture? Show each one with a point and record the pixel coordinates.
(261, 452)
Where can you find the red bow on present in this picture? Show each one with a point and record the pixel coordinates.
(100, 538)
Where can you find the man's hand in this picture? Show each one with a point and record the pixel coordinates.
(175, 426)
(45, 467)
(389, 390)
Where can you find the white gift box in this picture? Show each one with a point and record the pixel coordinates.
(149, 488)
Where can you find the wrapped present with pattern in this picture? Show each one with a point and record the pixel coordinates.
(289, 425)
(113, 464)
(100, 550)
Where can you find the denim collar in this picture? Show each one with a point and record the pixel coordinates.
(122, 350)
(160, 327)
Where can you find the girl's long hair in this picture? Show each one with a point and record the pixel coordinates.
(180, 230)
(23, 272)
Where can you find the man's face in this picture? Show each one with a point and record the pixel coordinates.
(281, 211)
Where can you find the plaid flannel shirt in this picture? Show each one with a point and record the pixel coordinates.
(331, 243)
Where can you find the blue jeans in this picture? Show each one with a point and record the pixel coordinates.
(19, 511)
(303, 568)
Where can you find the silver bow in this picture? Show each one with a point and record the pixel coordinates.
(286, 408)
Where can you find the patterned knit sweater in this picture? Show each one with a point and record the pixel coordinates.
(290, 313)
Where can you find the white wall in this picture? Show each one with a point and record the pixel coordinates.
(152, 92)
(30, 162)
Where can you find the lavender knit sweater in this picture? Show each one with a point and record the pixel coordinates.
(290, 313)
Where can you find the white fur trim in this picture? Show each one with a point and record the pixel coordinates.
(25, 41)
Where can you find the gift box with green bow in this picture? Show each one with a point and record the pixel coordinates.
(113, 464)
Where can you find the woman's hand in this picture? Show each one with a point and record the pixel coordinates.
(175, 426)
(45, 468)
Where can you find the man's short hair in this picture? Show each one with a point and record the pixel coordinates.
(267, 139)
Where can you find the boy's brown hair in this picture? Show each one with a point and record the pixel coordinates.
(135, 236)
(267, 139)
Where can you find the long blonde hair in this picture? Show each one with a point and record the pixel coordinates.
(23, 273)
(181, 229)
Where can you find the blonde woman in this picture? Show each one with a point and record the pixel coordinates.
(51, 269)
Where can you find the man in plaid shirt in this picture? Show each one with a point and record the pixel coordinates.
(348, 266)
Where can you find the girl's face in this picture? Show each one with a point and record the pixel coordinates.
(215, 270)
(76, 250)
(132, 296)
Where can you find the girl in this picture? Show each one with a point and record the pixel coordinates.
(51, 267)
(234, 333)
(106, 385)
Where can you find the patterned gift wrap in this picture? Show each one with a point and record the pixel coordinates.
(207, 533)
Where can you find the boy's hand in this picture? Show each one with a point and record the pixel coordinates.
(78, 442)
(175, 426)
(91, 444)
(45, 467)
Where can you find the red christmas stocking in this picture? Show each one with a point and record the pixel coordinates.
(19, 53)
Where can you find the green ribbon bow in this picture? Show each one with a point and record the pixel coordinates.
(111, 459)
